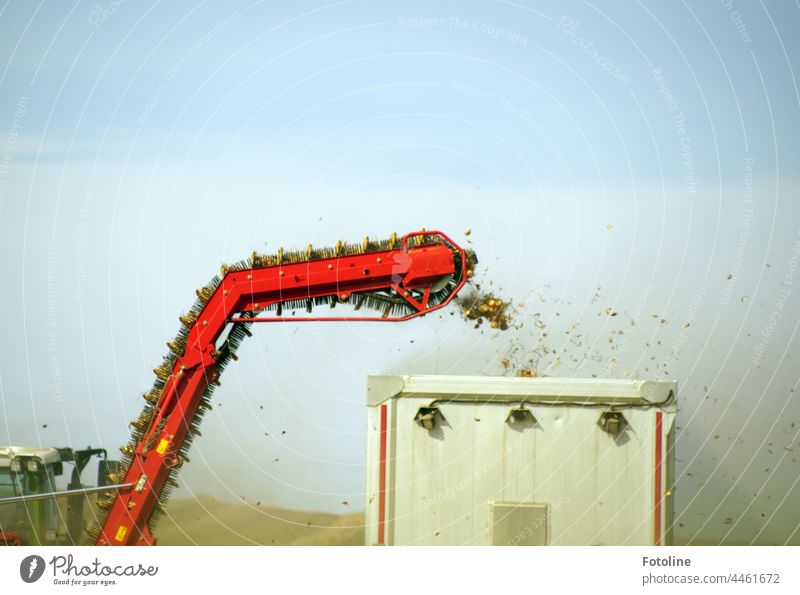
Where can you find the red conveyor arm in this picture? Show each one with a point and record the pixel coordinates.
(420, 273)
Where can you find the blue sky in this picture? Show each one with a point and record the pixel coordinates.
(646, 149)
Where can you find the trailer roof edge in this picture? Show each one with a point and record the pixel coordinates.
(381, 388)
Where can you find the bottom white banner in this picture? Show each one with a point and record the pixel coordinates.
(400, 570)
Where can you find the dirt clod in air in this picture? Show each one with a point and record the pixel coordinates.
(486, 307)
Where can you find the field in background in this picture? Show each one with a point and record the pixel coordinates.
(208, 521)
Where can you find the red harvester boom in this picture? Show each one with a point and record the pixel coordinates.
(404, 278)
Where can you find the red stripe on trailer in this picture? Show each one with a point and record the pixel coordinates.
(659, 488)
(382, 480)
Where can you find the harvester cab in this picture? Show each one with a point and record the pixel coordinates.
(34, 512)
(26, 471)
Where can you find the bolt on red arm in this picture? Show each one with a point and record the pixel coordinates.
(417, 275)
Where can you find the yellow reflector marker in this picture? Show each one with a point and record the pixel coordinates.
(121, 532)
(162, 446)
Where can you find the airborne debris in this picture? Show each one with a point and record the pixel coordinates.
(479, 306)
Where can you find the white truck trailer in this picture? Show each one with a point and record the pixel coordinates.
(457, 460)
